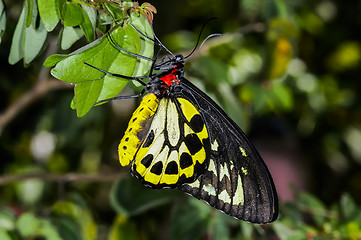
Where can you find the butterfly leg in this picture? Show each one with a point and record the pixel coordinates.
(122, 97)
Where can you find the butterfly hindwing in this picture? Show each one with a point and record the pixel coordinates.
(174, 147)
(237, 180)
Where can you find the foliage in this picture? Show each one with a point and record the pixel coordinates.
(292, 66)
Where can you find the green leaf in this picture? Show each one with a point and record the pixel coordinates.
(72, 104)
(7, 220)
(192, 217)
(27, 224)
(113, 11)
(103, 20)
(281, 95)
(2, 19)
(122, 228)
(69, 36)
(292, 211)
(285, 232)
(353, 230)
(246, 230)
(105, 55)
(34, 40)
(68, 228)
(102, 55)
(48, 13)
(147, 46)
(16, 49)
(123, 64)
(129, 197)
(232, 106)
(30, 226)
(71, 14)
(72, 69)
(81, 215)
(85, 94)
(220, 224)
(54, 59)
(89, 23)
(4, 235)
(30, 12)
(348, 207)
(27, 42)
(315, 206)
(29, 191)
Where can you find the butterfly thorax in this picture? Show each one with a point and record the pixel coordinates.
(162, 83)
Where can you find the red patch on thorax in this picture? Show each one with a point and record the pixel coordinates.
(168, 79)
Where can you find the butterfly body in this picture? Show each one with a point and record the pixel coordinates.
(180, 138)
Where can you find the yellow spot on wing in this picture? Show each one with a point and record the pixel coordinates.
(152, 177)
(170, 178)
(154, 150)
(244, 170)
(188, 109)
(244, 153)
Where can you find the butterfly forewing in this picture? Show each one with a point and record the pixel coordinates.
(236, 181)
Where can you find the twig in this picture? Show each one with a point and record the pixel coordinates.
(253, 27)
(69, 177)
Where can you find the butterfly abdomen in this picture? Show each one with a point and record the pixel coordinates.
(137, 129)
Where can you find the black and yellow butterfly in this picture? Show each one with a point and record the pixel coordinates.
(179, 137)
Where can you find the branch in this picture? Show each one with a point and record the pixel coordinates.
(38, 91)
(42, 87)
(69, 177)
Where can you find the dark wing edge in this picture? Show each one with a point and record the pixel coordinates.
(256, 199)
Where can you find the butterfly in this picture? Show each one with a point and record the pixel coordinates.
(179, 137)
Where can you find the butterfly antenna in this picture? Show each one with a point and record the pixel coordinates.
(209, 36)
(151, 39)
(132, 54)
(155, 60)
(162, 45)
(199, 37)
(155, 40)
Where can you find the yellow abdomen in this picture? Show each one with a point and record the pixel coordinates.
(132, 136)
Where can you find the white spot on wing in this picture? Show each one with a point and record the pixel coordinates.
(208, 188)
(214, 145)
(238, 195)
(212, 167)
(158, 123)
(162, 157)
(224, 196)
(172, 124)
(223, 172)
(194, 184)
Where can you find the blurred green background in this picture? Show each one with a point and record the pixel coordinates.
(288, 72)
